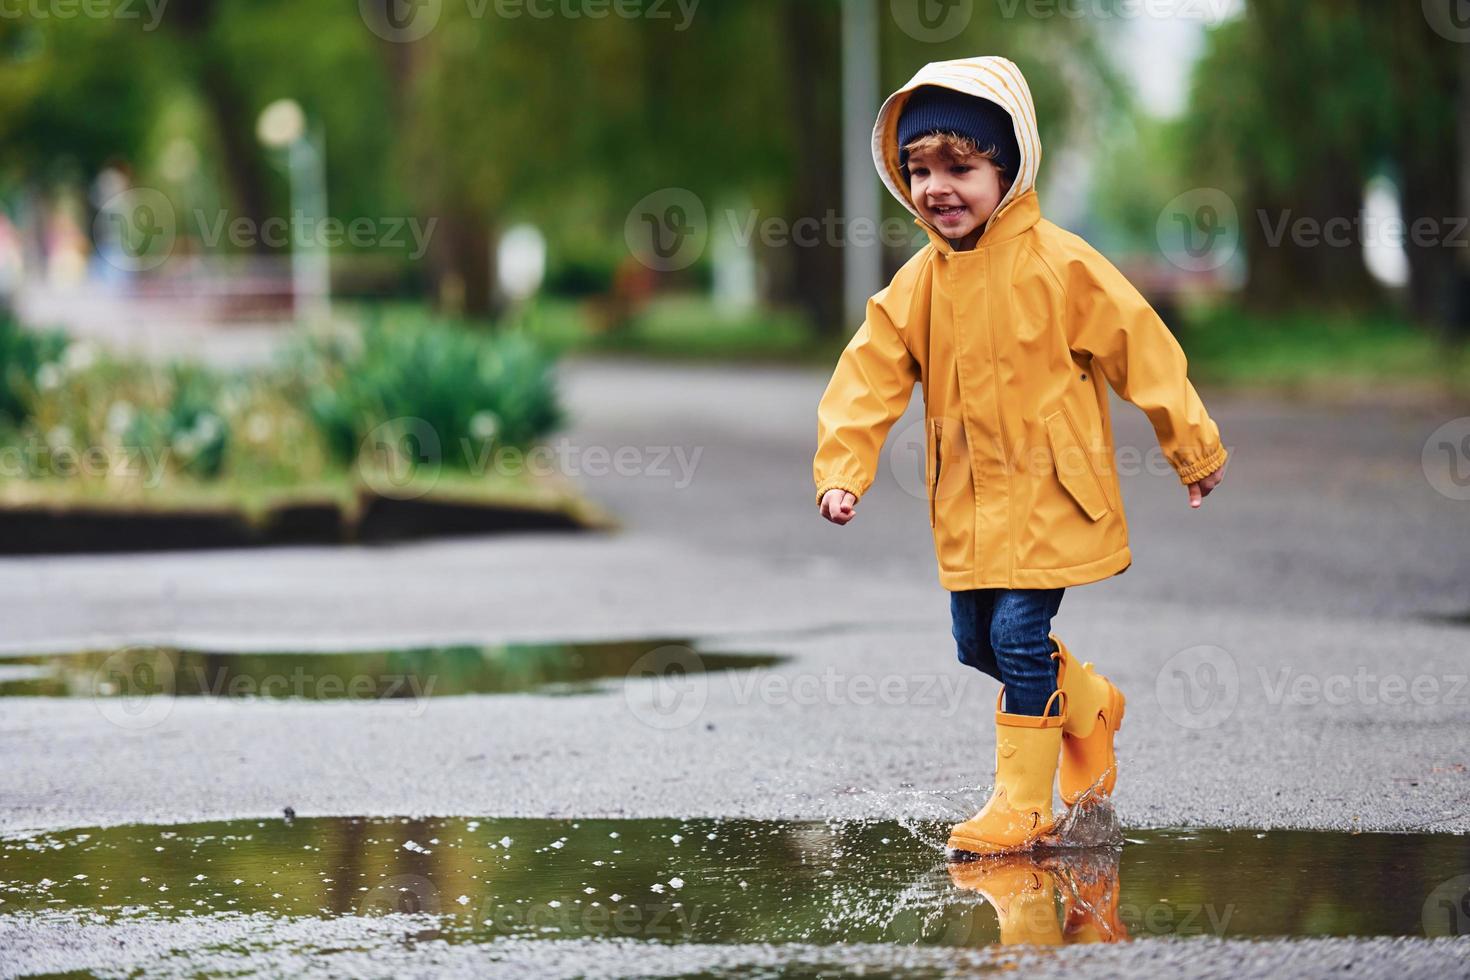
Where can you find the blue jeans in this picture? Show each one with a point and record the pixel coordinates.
(1004, 633)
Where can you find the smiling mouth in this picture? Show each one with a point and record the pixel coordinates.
(949, 213)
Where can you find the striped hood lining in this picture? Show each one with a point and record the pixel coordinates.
(993, 78)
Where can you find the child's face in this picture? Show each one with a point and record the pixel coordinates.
(956, 197)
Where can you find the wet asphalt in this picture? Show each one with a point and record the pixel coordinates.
(1295, 654)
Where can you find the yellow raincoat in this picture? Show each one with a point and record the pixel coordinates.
(1012, 342)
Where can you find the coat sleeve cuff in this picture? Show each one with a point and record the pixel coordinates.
(851, 486)
(1202, 468)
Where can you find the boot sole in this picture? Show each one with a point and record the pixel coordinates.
(959, 845)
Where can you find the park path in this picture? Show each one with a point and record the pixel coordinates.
(1326, 555)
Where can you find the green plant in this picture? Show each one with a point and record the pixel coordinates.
(473, 391)
(111, 413)
(190, 424)
(23, 356)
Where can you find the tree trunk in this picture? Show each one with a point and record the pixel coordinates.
(1432, 85)
(231, 115)
(462, 260)
(1299, 250)
(811, 275)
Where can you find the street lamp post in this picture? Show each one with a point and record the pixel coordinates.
(862, 264)
(282, 126)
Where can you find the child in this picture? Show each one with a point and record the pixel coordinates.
(1011, 325)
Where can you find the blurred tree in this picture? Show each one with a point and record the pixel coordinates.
(1294, 106)
(1430, 127)
(566, 121)
(811, 34)
(569, 122)
(64, 106)
(1294, 137)
(201, 44)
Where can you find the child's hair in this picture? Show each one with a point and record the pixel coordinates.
(952, 147)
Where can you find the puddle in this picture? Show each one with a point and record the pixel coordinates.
(553, 669)
(741, 882)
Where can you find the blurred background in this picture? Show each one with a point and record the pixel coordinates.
(255, 250)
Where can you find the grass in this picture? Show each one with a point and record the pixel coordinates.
(677, 327)
(1319, 352)
(254, 500)
(1307, 352)
(690, 327)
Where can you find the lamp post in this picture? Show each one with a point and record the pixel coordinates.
(862, 264)
(282, 126)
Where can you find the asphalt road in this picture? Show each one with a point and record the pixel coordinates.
(1295, 653)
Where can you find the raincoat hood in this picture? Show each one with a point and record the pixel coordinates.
(993, 78)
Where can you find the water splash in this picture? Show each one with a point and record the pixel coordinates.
(1090, 822)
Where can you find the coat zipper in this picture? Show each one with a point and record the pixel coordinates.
(1005, 439)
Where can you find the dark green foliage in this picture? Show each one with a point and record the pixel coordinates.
(22, 355)
(190, 426)
(472, 389)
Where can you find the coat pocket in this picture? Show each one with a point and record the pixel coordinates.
(1073, 467)
(935, 434)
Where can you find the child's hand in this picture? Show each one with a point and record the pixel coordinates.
(1201, 488)
(837, 506)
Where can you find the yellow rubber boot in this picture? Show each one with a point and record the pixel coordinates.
(1018, 812)
(1022, 893)
(1094, 714)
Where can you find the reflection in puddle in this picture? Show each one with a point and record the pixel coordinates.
(735, 881)
(574, 668)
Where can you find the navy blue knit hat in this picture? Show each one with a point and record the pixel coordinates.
(932, 108)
